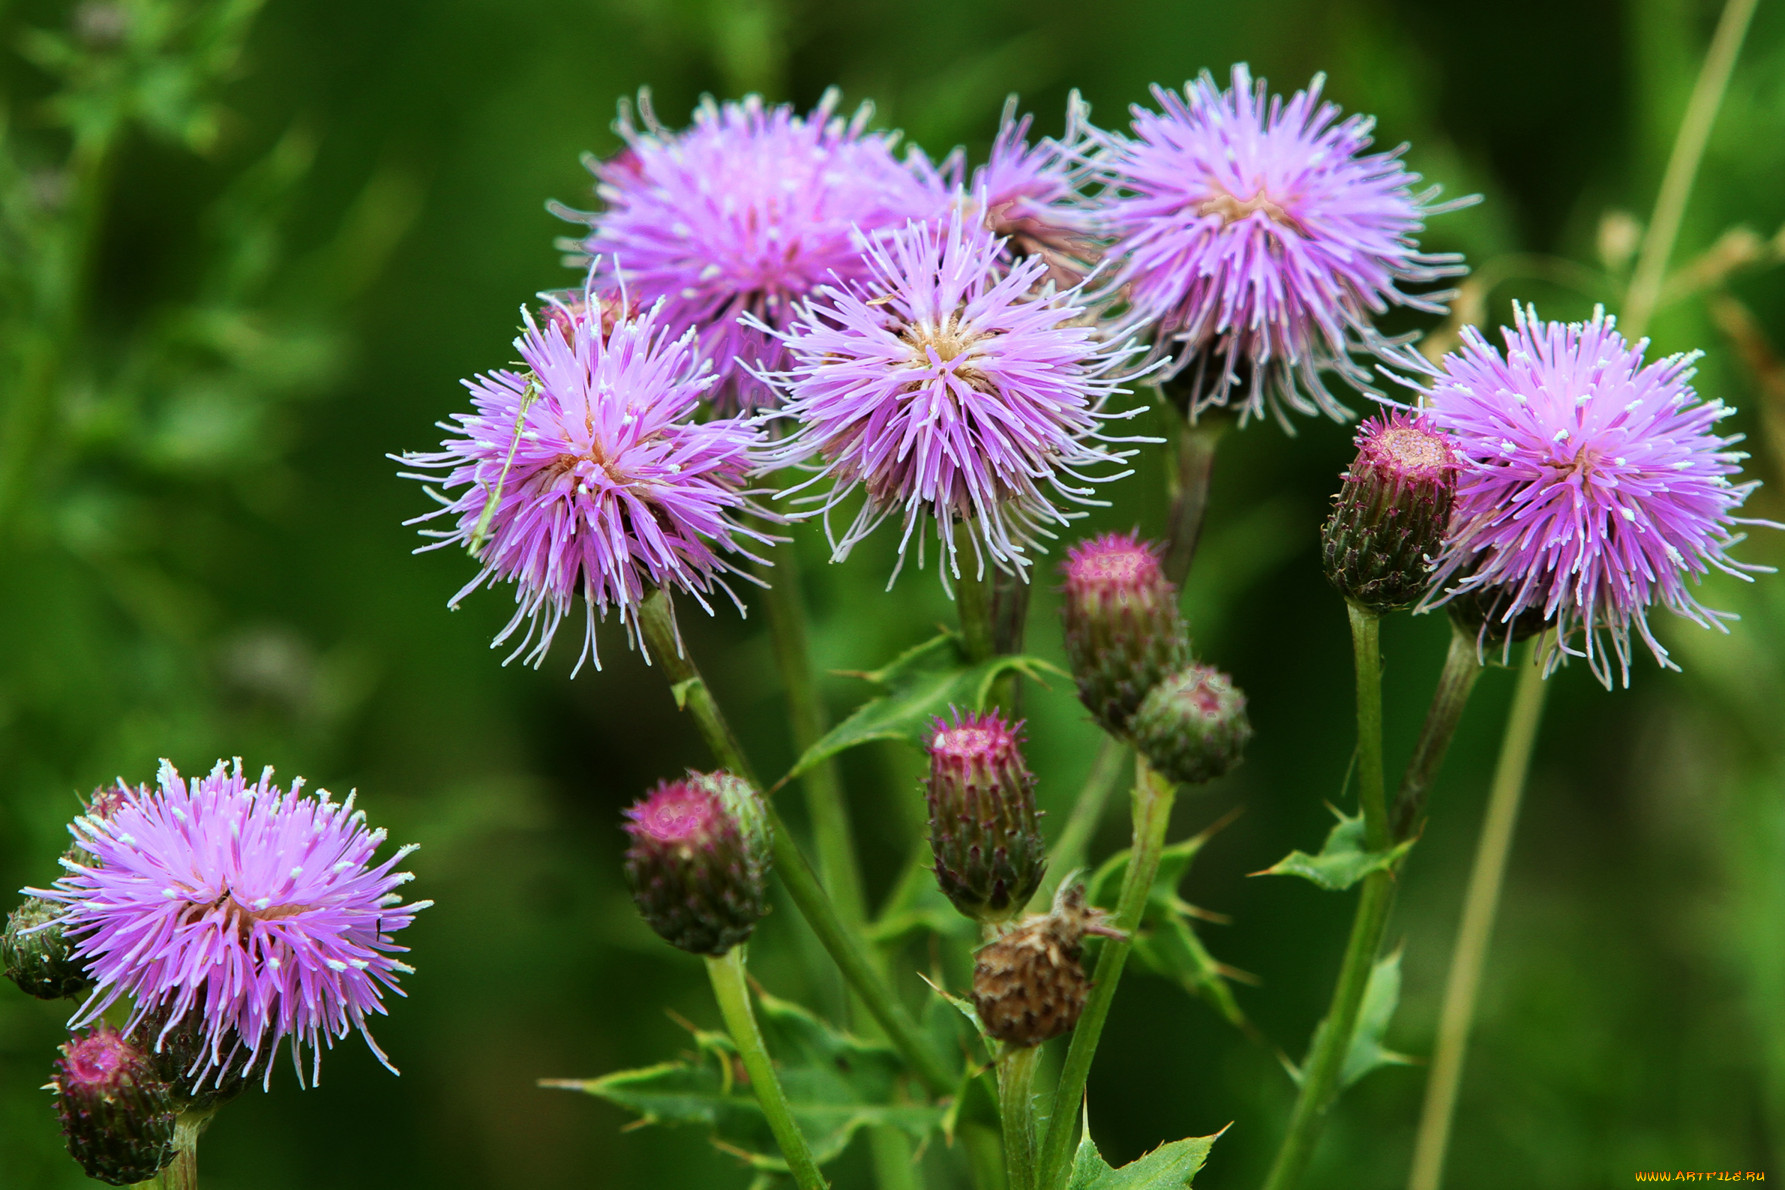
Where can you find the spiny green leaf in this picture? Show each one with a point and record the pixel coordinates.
(1168, 1167)
(834, 1082)
(1167, 944)
(1381, 996)
(1343, 861)
(919, 684)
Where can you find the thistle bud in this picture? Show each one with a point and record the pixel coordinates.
(1123, 630)
(1389, 518)
(1193, 725)
(989, 854)
(37, 955)
(699, 859)
(115, 1110)
(1030, 984)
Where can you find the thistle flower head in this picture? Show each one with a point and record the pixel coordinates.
(1029, 985)
(698, 861)
(1034, 198)
(989, 852)
(1124, 634)
(587, 475)
(1389, 518)
(262, 912)
(1261, 238)
(1592, 487)
(1192, 726)
(743, 213)
(116, 1112)
(953, 392)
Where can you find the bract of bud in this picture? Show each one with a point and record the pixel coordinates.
(1123, 630)
(1029, 985)
(115, 1109)
(989, 853)
(1480, 611)
(1389, 518)
(699, 859)
(180, 1053)
(37, 955)
(1193, 726)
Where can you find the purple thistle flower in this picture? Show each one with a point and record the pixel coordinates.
(951, 388)
(1034, 195)
(1591, 487)
(1262, 239)
(743, 213)
(261, 911)
(586, 474)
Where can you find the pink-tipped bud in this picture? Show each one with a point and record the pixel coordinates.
(989, 854)
(115, 1110)
(1123, 630)
(699, 859)
(1193, 726)
(1030, 984)
(1389, 519)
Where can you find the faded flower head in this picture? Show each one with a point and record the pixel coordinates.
(1124, 634)
(989, 852)
(1262, 239)
(1029, 985)
(1592, 486)
(698, 861)
(263, 912)
(953, 392)
(743, 213)
(587, 475)
(1388, 522)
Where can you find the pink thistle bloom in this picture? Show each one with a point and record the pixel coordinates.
(587, 474)
(263, 912)
(742, 214)
(953, 390)
(1034, 195)
(1591, 486)
(1262, 240)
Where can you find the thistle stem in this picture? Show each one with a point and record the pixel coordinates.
(1192, 465)
(1087, 812)
(1462, 666)
(1332, 1040)
(657, 622)
(1650, 274)
(973, 602)
(731, 989)
(1480, 903)
(1153, 797)
(182, 1172)
(832, 832)
(1016, 1106)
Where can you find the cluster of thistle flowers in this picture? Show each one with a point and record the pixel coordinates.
(206, 922)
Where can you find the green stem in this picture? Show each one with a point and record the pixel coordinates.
(1332, 1040)
(1462, 666)
(1016, 1106)
(1647, 279)
(1153, 796)
(1087, 812)
(1480, 903)
(657, 622)
(731, 988)
(825, 805)
(182, 1172)
(895, 1166)
(973, 602)
(1192, 464)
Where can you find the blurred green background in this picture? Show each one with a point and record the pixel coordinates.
(202, 555)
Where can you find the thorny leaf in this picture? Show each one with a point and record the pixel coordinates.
(1168, 1167)
(1343, 861)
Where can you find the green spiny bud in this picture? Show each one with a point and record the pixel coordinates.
(1123, 630)
(1193, 725)
(115, 1109)
(699, 859)
(989, 854)
(37, 955)
(1389, 519)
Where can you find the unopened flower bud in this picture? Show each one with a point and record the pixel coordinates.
(989, 854)
(698, 863)
(1193, 726)
(37, 955)
(1123, 630)
(1030, 984)
(115, 1109)
(1389, 519)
